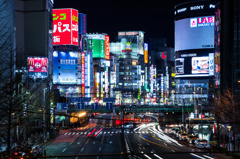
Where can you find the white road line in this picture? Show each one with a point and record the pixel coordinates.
(147, 156)
(82, 149)
(157, 156)
(100, 149)
(110, 142)
(93, 142)
(197, 156)
(165, 144)
(78, 143)
(208, 156)
(64, 150)
(173, 151)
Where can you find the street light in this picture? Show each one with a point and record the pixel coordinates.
(229, 129)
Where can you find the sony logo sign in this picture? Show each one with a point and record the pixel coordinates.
(196, 7)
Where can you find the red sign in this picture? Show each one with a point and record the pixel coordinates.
(37, 64)
(205, 20)
(83, 74)
(65, 27)
(107, 48)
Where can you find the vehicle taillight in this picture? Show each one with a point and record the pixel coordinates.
(15, 153)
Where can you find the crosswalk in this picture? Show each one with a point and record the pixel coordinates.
(84, 128)
(109, 132)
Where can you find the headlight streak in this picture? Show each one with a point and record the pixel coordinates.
(158, 132)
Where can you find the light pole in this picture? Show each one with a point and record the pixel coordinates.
(229, 129)
(201, 111)
(194, 104)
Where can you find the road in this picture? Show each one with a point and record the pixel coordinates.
(146, 141)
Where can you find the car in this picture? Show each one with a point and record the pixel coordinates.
(37, 150)
(173, 131)
(202, 143)
(128, 125)
(191, 138)
(178, 134)
(183, 136)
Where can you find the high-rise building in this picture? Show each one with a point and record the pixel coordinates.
(194, 52)
(129, 48)
(227, 54)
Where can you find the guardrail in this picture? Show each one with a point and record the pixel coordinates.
(140, 109)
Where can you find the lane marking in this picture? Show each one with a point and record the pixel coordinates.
(82, 149)
(197, 156)
(99, 149)
(64, 150)
(147, 156)
(157, 156)
(208, 156)
(78, 143)
(87, 141)
(102, 139)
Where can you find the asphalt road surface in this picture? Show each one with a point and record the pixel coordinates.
(146, 141)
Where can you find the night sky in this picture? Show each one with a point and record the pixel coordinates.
(154, 17)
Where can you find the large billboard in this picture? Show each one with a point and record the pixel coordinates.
(194, 65)
(37, 67)
(65, 27)
(194, 33)
(96, 42)
(65, 67)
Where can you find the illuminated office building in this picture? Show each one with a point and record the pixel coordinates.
(128, 48)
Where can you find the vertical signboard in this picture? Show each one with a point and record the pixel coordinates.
(107, 48)
(83, 74)
(82, 23)
(145, 53)
(211, 64)
(37, 67)
(65, 27)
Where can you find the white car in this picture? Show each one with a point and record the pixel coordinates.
(128, 125)
(202, 143)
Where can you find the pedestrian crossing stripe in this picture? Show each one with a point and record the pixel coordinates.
(109, 132)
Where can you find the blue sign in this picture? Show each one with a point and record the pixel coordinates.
(79, 99)
(65, 106)
(94, 106)
(109, 106)
(65, 67)
(109, 99)
(80, 106)
(59, 106)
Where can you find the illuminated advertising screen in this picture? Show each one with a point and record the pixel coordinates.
(179, 64)
(107, 48)
(65, 27)
(97, 44)
(194, 33)
(65, 67)
(194, 65)
(37, 67)
(200, 65)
